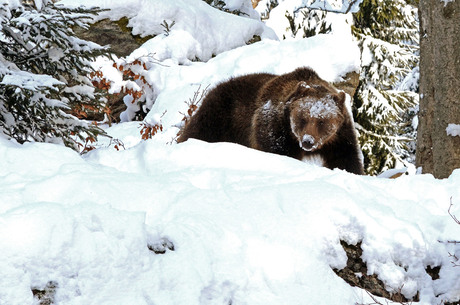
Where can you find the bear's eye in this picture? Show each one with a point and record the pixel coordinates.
(303, 122)
(321, 123)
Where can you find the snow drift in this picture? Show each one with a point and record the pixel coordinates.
(248, 227)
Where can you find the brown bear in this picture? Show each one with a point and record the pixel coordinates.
(295, 114)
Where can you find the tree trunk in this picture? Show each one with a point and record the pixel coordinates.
(437, 152)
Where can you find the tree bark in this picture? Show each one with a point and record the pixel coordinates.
(437, 152)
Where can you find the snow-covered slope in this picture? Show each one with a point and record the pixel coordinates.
(248, 227)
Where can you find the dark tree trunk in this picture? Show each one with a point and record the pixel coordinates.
(437, 152)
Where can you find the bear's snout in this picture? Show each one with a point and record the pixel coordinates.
(308, 143)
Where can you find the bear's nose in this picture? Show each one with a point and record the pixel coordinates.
(308, 142)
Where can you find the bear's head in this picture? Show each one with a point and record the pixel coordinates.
(316, 113)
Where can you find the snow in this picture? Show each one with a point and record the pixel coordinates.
(339, 6)
(323, 108)
(453, 130)
(393, 173)
(199, 30)
(447, 1)
(13, 76)
(247, 227)
(29, 81)
(340, 23)
(243, 6)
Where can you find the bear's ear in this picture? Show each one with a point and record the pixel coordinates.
(300, 90)
(302, 87)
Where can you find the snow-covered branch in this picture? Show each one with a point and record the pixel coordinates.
(335, 6)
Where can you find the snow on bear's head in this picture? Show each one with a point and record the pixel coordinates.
(316, 114)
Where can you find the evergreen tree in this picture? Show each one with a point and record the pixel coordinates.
(387, 32)
(305, 23)
(44, 67)
(300, 23)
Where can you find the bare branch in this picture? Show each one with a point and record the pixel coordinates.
(454, 263)
(451, 215)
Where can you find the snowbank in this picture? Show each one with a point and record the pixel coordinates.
(248, 227)
(184, 30)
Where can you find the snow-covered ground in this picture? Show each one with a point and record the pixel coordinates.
(247, 227)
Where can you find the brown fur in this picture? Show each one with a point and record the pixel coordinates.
(295, 114)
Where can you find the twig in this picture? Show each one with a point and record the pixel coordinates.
(451, 215)
(373, 299)
(376, 302)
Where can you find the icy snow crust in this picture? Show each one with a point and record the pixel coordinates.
(247, 226)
